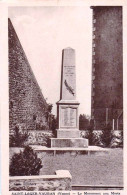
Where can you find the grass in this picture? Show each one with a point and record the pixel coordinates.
(106, 169)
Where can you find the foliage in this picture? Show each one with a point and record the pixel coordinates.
(40, 126)
(46, 140)
(53, 124)
(117, 140)
(25, 163)
(121, 143)
(52, 121)
(50, 108)
(97, 138)
(107, 135)
(18, 138)
(84, 122)
(89, 136)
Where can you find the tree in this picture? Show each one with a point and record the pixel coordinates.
(84, 122)
(52, 120)
(48, 113)
(53, 123)
(18, 138)
(50, 108)
(25, 163)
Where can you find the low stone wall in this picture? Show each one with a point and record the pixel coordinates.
(44, 138)
(39, 137)
(60, 181)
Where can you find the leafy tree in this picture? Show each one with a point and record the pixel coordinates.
(50, 108)
(18, 138)
(52, 120)
(84, 122)
(25, 163)
(53, 123)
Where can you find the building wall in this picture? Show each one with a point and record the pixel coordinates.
(27, 106)
(107, 65)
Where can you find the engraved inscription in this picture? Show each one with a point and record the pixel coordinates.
(69, 70)
(73, 117)
(68, 90)
(68, 117)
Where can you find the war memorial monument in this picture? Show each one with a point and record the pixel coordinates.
(69, 160)
(68, 134)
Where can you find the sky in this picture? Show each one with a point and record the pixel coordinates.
(44, 32)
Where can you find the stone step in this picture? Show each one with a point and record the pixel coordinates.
(68, 133)
(69, 142)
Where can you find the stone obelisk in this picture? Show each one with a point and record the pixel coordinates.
(68, 134)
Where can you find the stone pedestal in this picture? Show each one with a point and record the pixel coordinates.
(67, 112)
(68, 133)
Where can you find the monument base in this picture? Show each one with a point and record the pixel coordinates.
(69, 142)
(68, 133)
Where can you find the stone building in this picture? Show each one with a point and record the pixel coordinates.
(107, 67)
(27, 107)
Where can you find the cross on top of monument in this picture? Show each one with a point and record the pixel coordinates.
(68, 75)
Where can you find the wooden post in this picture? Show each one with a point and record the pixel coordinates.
(113, 124)
(117, 124)
(94, 125)
(106, 116)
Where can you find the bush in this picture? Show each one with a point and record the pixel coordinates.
(25, 163)
(97, 138)
(107, 135)
(46, 140)
(117, 139)
(90, 136)
(84, 122)
(18, 138)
